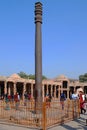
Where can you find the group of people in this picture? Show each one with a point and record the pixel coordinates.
(16, 98)
(27, 96)
(48, 99)
(13, 97)
(82, 98)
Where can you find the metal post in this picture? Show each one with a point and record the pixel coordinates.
(86, 122)
(38, 55)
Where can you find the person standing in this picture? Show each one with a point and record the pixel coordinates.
(62, 99)
(25, 98)
(16, 101)
(82, 102)
(75, 95)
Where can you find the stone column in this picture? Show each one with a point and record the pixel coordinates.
(5, 88)
(24, 89)
(38, 54)
(32, 90)
(51, 90)
(15, 88)
(68, 91)
(9, 91)
(74, 88)
(59, 92)
(47, 89)
(54, 91)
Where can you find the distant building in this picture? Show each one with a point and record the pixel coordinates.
(53, 87)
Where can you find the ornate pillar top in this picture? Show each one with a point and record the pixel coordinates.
(38, 12)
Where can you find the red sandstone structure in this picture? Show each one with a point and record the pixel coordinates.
(54, 87)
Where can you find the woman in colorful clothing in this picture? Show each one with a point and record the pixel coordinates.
(82, 103)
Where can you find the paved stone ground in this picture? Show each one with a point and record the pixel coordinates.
(78, 124)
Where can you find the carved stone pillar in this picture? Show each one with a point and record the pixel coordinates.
(24, 89)
(32, 90)
(74, 88)
(67, 91)
(54, 92)
(5, 88)
(9, 91)
(47, 89)
(15, 88)
(59, 93)
(51, 91)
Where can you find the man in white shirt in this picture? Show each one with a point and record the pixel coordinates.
(75, 95)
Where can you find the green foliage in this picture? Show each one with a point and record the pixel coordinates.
(83, 78)
(23, 75)
(26, 76)
(44, 77)
(31, 76)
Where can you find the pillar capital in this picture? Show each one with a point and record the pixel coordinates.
(38, 12)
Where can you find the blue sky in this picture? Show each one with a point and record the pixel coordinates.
(64, 37)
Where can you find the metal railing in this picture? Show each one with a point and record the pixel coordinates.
(51, 113)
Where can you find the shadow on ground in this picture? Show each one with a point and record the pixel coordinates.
(77, 124)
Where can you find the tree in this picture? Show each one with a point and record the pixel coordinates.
(27, 76)
(31, 76)
(83, 78)
(23, 75)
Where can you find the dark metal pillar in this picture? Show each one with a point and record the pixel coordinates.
(38, 54)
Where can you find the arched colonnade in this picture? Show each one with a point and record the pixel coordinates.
(14, 84)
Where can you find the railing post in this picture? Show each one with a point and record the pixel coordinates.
(72, 109)
(78, 108)
(86, 122)
(44, 116)
(68, 109)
